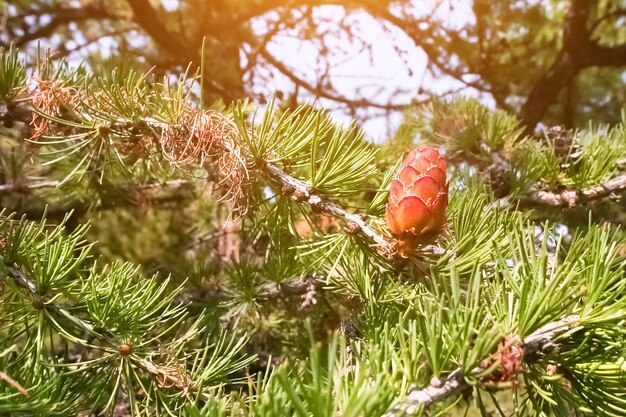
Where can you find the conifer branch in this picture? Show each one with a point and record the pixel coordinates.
(570, 198)
(354, 223)
(542, 340)
(165, 376)
(302, 192)
(298, 285)
(22, 281)
(21, 187)
(565, 198)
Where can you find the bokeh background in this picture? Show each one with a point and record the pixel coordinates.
(363, 59)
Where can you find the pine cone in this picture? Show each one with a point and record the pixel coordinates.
(418, 196)
(498, 181)
(562, 140)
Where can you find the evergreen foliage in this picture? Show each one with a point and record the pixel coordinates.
(284, 294)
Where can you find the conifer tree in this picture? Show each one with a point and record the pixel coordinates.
(276, 263)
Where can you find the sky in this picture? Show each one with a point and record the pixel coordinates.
(376, 73)
(392, 61)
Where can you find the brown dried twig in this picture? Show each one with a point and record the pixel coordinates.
(13, 383)
(49, 97)
(205, 138)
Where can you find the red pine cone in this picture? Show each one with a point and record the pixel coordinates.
(418, 195)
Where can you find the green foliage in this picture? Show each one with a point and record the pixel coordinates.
(85, 333)
(330, 382)
(12, 73)
(144, 337)
(601, 148)
(465, 127)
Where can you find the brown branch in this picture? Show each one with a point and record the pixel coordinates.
(542, 340)
(16, 187)
(579, 51)
(269, 35)
(570, 198)
(5, 377)
(355, 223)
(147, 17)
(180, 192)
(60, 17)
(302, 192)
(564, 198)
(13, 187)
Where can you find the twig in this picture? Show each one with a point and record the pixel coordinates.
(12, 186)
(302, 192)
(13, 383)
(270, 291)
(22, 281)
(542, 340)
(569, 198)
(166, 376)
(295, 285)
(320, 92)
(17, 187)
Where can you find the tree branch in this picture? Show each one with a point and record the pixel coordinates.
(146, 16)
(355, 223)
(570, 198)
(18, 187)
(542, 340)
(319, 92)
(62, 17)
(579, 51)
(302, 192)
(19, 278)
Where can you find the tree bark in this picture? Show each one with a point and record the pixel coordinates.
(546, 90)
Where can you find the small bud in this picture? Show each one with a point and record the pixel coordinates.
(551, 369)
(436, 382)
(38, 303)
(125, 350)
